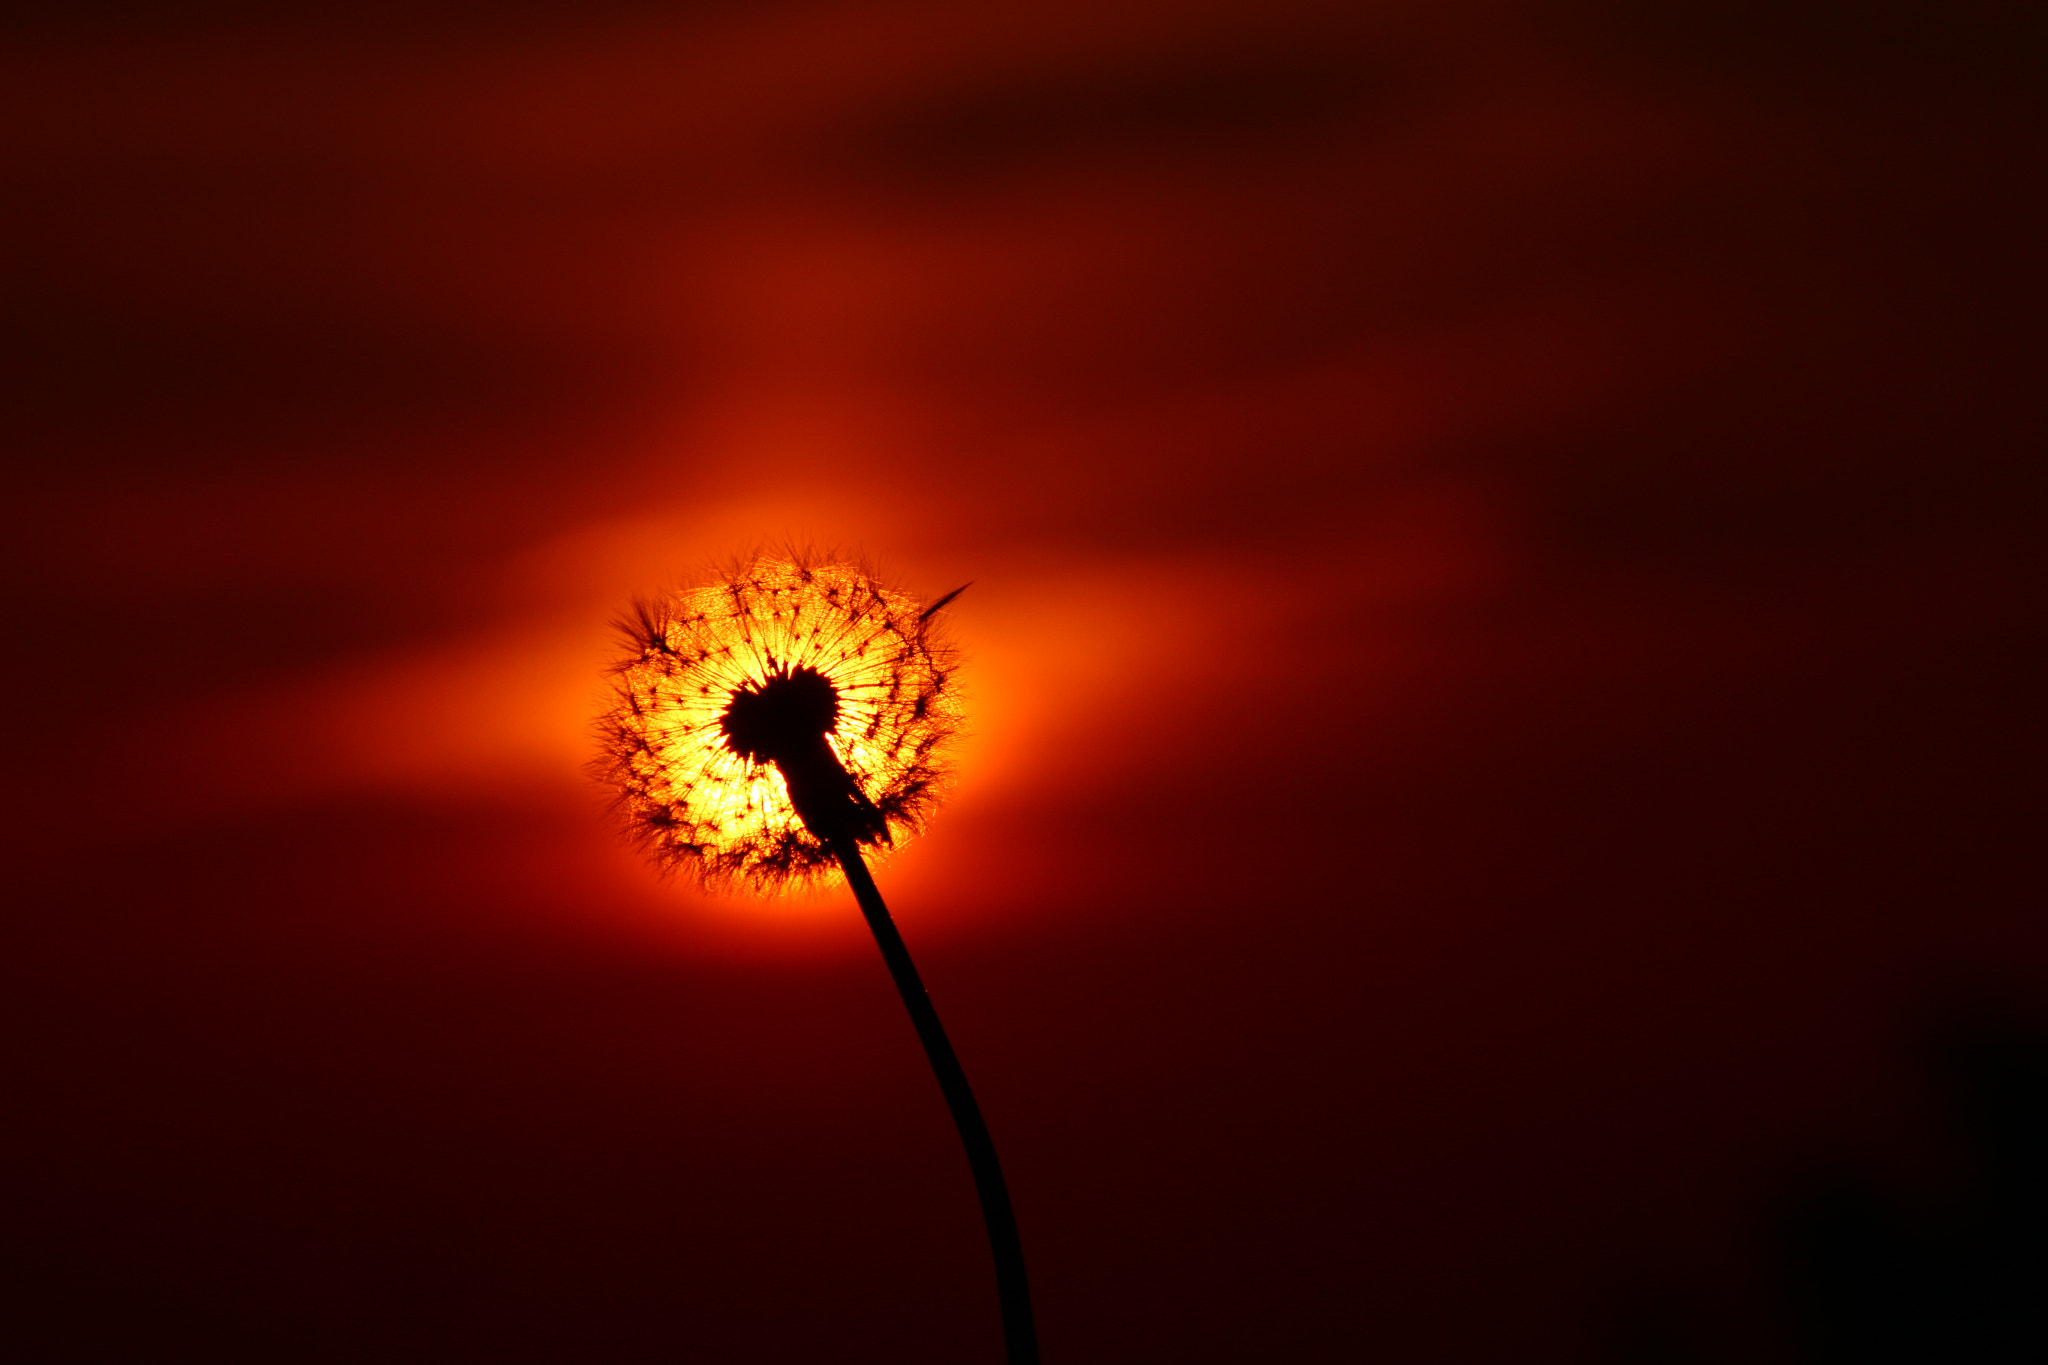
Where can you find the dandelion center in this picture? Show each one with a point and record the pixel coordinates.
(776, 717)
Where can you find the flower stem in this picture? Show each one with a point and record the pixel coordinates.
(1011, 1286)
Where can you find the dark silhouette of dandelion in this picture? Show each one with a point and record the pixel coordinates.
(755, 716)
(763, 729)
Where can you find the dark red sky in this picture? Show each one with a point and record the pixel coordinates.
(1506, 647)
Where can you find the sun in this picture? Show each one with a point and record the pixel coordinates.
(784, 698)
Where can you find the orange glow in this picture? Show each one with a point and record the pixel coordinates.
(688, 793)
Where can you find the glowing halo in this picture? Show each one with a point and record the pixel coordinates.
(703, 800)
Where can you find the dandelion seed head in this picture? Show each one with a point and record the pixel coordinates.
(727, 695)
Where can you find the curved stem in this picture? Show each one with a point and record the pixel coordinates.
(1011, 1286)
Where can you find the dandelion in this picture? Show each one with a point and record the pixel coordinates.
(765, 728)
(754, 718)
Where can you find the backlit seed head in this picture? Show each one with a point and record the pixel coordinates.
(780, 666)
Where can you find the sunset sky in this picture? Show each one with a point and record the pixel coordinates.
(1505, 662)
